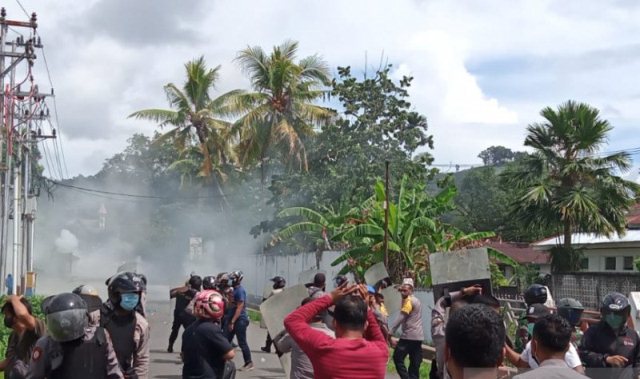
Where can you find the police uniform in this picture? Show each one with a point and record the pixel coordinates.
(130, 337)
(92, 357)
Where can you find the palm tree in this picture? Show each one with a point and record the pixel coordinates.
(198, 119)
(566, 185)
(280, 114)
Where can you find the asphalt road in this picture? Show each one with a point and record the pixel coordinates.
(168, 365)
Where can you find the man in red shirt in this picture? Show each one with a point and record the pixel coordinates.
(359, 350)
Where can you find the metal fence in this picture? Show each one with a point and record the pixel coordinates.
(590, 287)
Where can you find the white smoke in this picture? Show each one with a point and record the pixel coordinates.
(67, 242)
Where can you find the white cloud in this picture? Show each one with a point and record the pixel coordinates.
(526, 55)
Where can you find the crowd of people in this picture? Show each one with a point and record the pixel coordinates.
(339, 334)
(83, 337)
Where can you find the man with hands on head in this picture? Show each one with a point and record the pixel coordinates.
(359, 350)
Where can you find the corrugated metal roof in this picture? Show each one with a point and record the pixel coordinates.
(631, 236)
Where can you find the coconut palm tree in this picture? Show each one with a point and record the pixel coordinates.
(567, 184)
(280, 114)
(197, 119)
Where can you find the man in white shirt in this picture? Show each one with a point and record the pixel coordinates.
(550, 344)
(526, 359)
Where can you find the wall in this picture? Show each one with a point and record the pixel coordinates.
(597, 257)
(258, 269)
(589, 287)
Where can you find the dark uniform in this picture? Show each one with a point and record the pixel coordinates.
(602, 340)
(77, 348)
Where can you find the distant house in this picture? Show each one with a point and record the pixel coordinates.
(602, 254)
(522, 253)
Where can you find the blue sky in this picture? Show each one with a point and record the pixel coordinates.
(483, 70)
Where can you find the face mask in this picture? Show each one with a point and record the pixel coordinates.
(530, 328)
(8, 321)
(614, 321)
(129, 301)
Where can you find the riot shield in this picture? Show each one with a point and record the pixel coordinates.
(276, 308)
(307, 276)
(392, 299)
(452, 271)
(377, 273)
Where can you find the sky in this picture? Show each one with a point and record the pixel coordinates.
(483, 69)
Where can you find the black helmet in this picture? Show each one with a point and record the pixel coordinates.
(571, 310)
(615, 302)
(535, 294)
(278, 282)
(126, 282)
(236, 277)
(222, 281)
(66, 317)
(209, 283)
(339, 280)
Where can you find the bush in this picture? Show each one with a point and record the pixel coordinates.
(36, 302)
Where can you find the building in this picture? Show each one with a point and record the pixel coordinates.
(605, 254)
(522, 253)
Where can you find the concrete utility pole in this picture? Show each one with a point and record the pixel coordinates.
(21, 116)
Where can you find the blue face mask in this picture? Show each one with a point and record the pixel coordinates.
(129, 301)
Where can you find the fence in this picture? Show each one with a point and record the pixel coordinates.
(590, 287)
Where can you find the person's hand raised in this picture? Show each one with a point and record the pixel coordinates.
(342, 291)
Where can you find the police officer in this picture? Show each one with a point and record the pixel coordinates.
(278, 286)
(128, 328)
(94, 303)
(73, 349)
(571, 310)
(183, 295)
(610, 344)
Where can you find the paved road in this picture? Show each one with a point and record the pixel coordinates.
(168, 366)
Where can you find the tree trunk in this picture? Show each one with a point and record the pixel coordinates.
(567, 234)
(216, 183)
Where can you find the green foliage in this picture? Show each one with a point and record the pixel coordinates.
(280, 116)
(565, 186)
(498, 156)
(36, 303)
(197, 121)
(415, 230)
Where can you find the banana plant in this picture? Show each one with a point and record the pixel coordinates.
(415, 230)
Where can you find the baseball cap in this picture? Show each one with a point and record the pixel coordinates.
(537, 311)
(318, 281)
(406, 282)
(370, 289)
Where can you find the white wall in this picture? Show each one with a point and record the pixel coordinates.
(597, 258)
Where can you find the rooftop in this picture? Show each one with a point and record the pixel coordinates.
(521, 253)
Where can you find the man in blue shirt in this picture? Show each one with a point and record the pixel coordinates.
(240, 320)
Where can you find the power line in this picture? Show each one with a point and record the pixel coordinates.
(24, 10)
(136, 196)
(55, 114)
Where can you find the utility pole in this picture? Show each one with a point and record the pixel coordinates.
(20, 112)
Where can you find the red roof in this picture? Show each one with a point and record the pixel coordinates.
(520, 252)
(633, 217)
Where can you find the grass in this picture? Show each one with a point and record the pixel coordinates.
(254, 315)
(425, 367)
